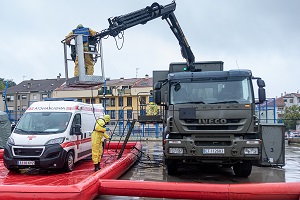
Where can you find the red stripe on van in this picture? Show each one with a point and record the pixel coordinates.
(75, 143)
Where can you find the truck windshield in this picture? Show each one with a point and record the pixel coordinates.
(43, 122)
(237, 90)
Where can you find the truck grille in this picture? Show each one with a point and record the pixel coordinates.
(28, 151)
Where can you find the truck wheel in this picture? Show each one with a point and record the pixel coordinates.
(171, 167)
(69, 162)
(243, 168)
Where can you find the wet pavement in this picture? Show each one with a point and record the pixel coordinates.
(150, 168)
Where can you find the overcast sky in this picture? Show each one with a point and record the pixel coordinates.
(261, 35)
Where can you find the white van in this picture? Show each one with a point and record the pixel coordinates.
(52, 135)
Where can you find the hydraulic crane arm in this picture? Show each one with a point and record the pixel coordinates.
(142, 16)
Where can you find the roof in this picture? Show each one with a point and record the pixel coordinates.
(133, 82)
(145, 82)
(280, 102)
(36, 85)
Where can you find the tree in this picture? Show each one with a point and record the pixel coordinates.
(291, 116)
(3, 83)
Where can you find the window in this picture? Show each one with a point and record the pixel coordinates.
(18, 108)
(104, 101)
(24, 96)
(76, 120)
(88, 100)
(142, 100)
(291, 100)
(120, 101)
(107, 102)
(44, 96)
(113, 102)
(10, 98)
(24, 107)
(129, 101)
(34, 97)
(113, 114)
(121, 114)
(129, 114)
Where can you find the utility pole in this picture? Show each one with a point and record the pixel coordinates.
(136, 72)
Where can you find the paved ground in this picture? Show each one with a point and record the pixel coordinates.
(150, 168)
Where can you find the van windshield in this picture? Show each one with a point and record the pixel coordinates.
(43, 122)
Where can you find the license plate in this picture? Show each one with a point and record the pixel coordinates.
(213, 151)
(26, 162)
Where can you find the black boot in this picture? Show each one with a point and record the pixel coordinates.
(96, 167)
(99, 166)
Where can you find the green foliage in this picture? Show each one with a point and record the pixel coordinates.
(291, 116)
(3, 83)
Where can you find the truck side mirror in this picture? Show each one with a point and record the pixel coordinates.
(157, 86)
(76, 129)
(157, 97)
(261, 83)
(261, 90)
(261, 94)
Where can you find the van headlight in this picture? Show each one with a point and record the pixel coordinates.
(251, 151)
(55, 141)
(11, 141)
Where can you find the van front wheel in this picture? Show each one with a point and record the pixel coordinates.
(69, 162)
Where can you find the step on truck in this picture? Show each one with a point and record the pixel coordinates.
(52, 135)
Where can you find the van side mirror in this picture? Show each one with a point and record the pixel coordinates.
(13, 127)
(76, 129)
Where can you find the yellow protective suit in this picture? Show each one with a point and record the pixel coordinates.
(89, 63)
(97, 135)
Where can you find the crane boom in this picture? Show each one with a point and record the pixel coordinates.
(142, 16)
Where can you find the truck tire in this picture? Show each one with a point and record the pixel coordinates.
(171, 167)
(243, 168)
(69, 162)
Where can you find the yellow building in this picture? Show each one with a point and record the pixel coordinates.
(120, 97)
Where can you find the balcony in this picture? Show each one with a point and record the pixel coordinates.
(101, 91)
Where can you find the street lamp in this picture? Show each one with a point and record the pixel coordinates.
(5, 96)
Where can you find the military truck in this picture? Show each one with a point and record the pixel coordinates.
(209, 115)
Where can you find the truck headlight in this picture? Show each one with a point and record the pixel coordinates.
(56, 141)
(251, 151)
(174, 142)
(176, 150)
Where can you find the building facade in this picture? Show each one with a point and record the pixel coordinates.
(123, 99)
(21, 96)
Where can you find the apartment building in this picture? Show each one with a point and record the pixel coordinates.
(122, 98)
(21, 96)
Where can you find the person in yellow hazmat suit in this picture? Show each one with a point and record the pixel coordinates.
(97, 135)
(88, 60)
